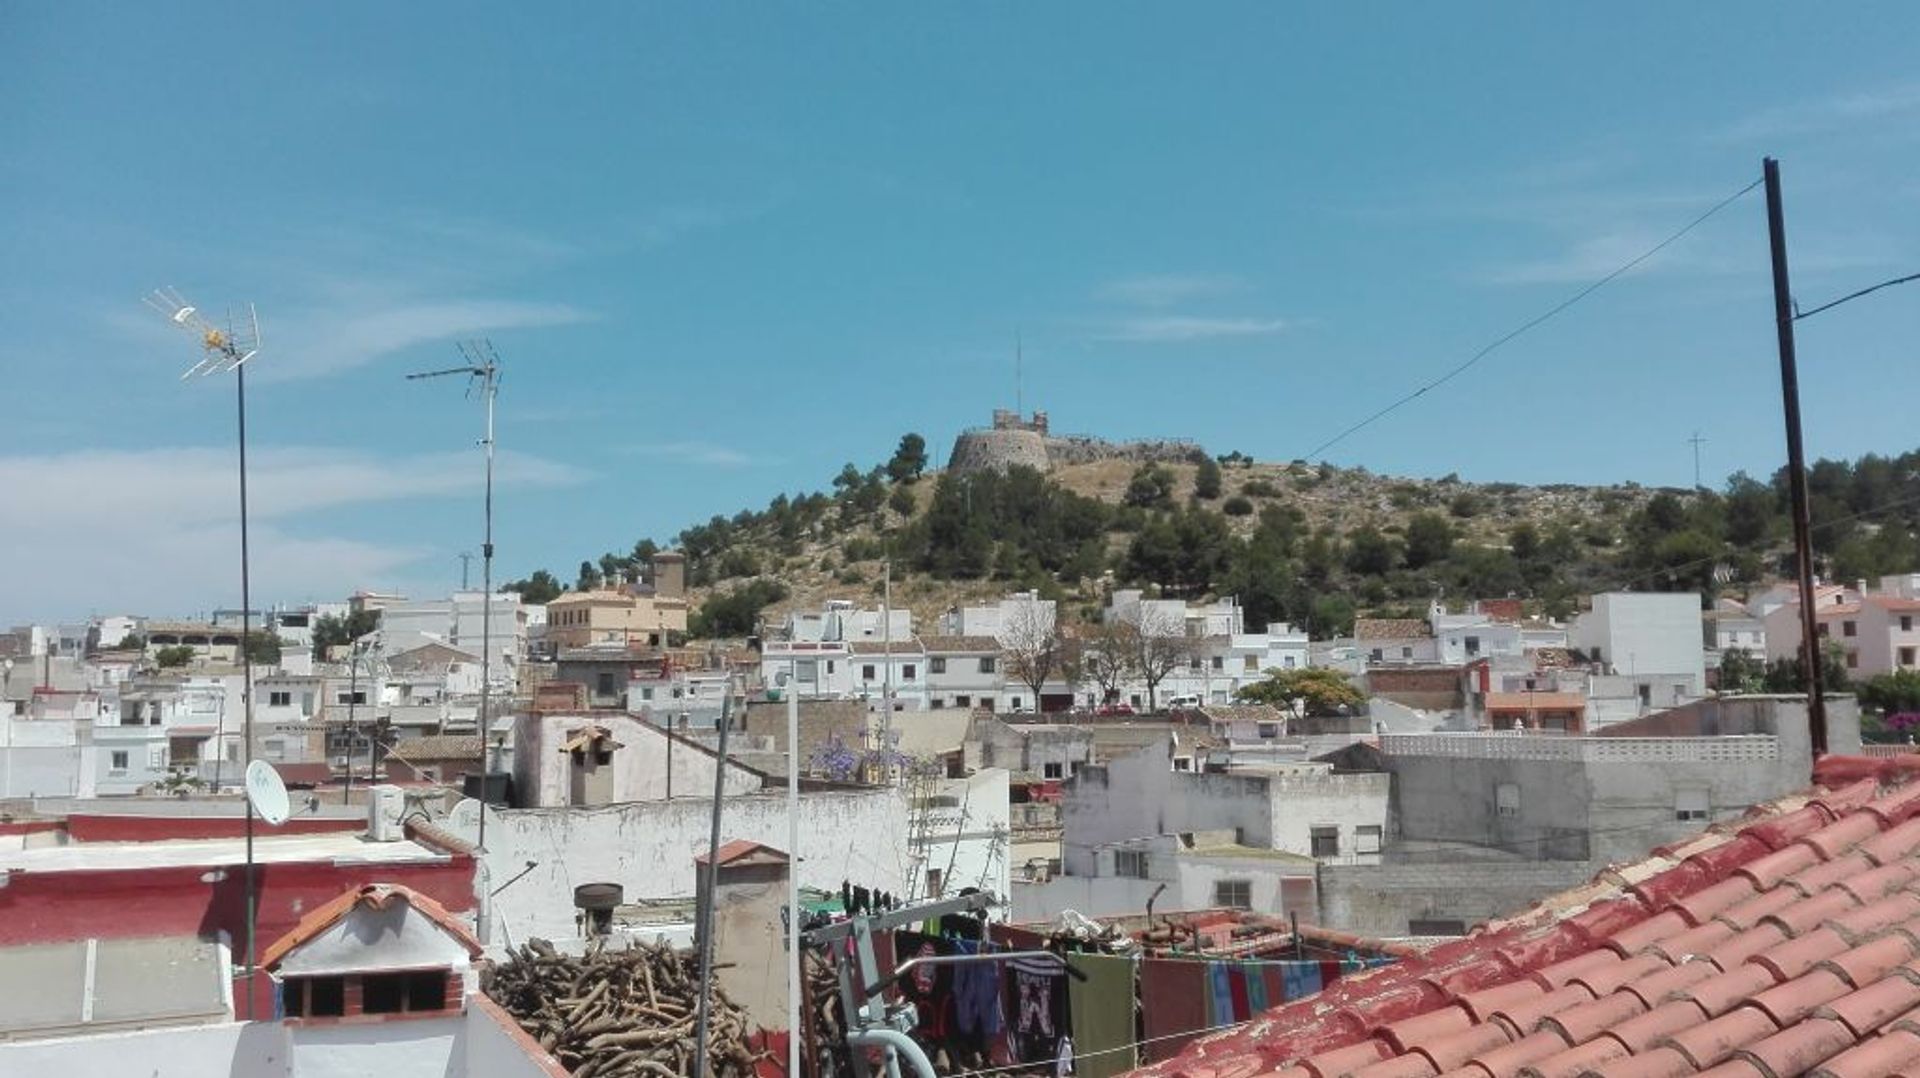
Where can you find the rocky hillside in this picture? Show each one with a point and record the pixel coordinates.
(1312, 544)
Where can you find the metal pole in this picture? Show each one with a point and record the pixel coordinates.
(1796, 463)
(486, 620)
(353, 725)
(246, 676)
(704, 927)
(793, 867)
(886, 679)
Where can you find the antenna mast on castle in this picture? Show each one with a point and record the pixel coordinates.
(1019, 383)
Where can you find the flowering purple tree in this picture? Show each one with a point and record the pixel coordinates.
(842, 762)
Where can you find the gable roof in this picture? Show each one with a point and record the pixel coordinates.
(741, 849)
(1771, 945)
(376, 896)
(1391, 629)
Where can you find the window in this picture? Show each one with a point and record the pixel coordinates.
(1251, 664)
(1268, 730)
(279, 698)
(866, 671)
(1853, 659)
(1287, 663)
(829, 666)
(119, 760)
(603, 684)
(358, 696)
(1848, 628)
(1473, 645)
(987, 664)
(1233, 894)
(1906, 656)
(1690, 804)
(1219, 662)
(1366, 838)
(1906, 623)
(1506, 801)
(398, 993)
(646, 694)
(314, 997)
(933, 883)
(1053, 771)
(1406, 653)
(907, 672)
(1183, 763)
(1130, 863)
(937, 665)
(1822, 629)
(1326, 841)
(1376, 656)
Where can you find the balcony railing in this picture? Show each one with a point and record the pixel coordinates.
(1496, 746)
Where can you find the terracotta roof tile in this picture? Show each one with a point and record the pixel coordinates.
(1784, 943)
(376, 895)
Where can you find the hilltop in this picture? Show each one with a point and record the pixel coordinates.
(1309, 543)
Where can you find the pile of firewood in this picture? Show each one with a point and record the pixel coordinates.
(615, 1013)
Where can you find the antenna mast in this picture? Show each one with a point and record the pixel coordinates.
(1019, 376)
(482, 370)
(224, 350)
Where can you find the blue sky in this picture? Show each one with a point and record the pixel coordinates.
(723, 249)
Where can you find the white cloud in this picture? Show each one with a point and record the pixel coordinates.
(157, 531)
(1161, 329)
(718, 456)
(1162, 290)
(1825, 114)
(316, 343)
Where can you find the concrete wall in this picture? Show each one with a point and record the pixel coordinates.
(414, 1048)
(1140, 795)
(1645, 633)
(234, 1050)
(1382, 900)
(649, 847)
(647, 767)
(1303, 799)
(967, 842)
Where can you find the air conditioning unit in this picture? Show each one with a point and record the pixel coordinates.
(386, 805)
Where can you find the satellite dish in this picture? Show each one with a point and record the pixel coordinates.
(266, 793)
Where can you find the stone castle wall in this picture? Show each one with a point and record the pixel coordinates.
(997, 450)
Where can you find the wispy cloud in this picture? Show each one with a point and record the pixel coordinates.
(1160, 329)
(1899, 100)
(313, 344)
(171, 526)
(718, 456)
(1166, 289)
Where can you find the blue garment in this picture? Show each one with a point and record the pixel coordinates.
(976, 994)
(1220, 995)
(1301, 978)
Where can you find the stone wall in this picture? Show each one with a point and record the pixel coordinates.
(1082, 449)
(997, 451)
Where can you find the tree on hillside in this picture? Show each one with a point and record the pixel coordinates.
(1150, 488)
(1031, 642)
(909, 460)
(1206, 479)
(1315, 691)
(1370, 553)
(588, 577)
(1429, 540)
(735, 613)
(537, 590)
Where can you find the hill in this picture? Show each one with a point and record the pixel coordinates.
(1308, 543)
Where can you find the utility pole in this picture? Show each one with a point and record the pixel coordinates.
(1783, 317)
(886, 682)
(1696, 441)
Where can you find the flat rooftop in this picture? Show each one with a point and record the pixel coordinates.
(341, 848)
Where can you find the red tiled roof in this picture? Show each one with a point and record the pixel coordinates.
(377, 895)
(738, 849)
(1786, 943)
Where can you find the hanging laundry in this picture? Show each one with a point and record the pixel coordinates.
(928, 988)
(1037, 998)
(1173, 1004)
(1103, 1010)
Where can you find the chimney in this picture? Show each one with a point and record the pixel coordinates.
(670, 574)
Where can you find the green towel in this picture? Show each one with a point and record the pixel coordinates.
(1102, 1010)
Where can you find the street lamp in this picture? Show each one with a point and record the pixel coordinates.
(224, 350)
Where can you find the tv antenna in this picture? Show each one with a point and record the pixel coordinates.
(223, 350)
(482, 368)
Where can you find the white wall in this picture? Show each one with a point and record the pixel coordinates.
(232, 1050)
(410, 1048)
(1645, 633)
(1304, 799)
(648, 848)
(640, 766)
(968, 841)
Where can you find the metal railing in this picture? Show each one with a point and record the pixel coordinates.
(1502, 746)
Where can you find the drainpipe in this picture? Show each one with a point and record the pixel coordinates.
(896, 1044)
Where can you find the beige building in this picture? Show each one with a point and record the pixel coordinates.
(630, 614)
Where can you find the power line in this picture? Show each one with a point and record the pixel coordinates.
(1531, 323)
(1798, 315)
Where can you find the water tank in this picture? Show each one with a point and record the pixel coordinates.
(385, 806)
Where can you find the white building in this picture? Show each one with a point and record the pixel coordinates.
(605, 758)
(1022, 612)
(1645, 634)
(964, 672)
(899, 668)
(458, 621)
(1192, 870)
(840, 619)
(961, 830)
